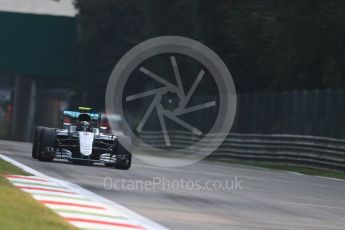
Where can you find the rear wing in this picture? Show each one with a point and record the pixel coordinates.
(75, 114)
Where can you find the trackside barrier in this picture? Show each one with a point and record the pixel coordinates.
(311, 151)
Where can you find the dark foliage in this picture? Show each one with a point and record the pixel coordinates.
(267, 44)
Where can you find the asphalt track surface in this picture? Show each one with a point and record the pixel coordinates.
(263, 199)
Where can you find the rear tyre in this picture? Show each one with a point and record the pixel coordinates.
(123, 156)
(36, 142)
(47, 141)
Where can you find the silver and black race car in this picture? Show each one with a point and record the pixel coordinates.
(82, 140)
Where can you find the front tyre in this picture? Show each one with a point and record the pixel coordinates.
(36, 142)
(48, 143)
(123, 156)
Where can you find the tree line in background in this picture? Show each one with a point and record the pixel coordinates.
(268, 45)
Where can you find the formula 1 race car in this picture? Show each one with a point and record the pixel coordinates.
(81, 140)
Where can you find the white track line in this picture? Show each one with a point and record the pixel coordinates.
(331, 178)
(111, 208)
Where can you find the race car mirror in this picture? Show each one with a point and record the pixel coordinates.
(66, 125)
(103, 128)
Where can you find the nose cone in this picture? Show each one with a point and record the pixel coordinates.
(86, 143)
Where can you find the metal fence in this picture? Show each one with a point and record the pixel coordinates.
(311, 151)
(298, 127)
(317, 152)
(304, 128)
(316, 113)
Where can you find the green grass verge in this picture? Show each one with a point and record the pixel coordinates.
(285, 167)
(18, 210)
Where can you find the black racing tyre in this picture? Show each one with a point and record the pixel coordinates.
(47, 140)
(123, 156)
(36, 142)
(108, 164)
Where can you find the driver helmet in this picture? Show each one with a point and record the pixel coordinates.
(85, 125)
